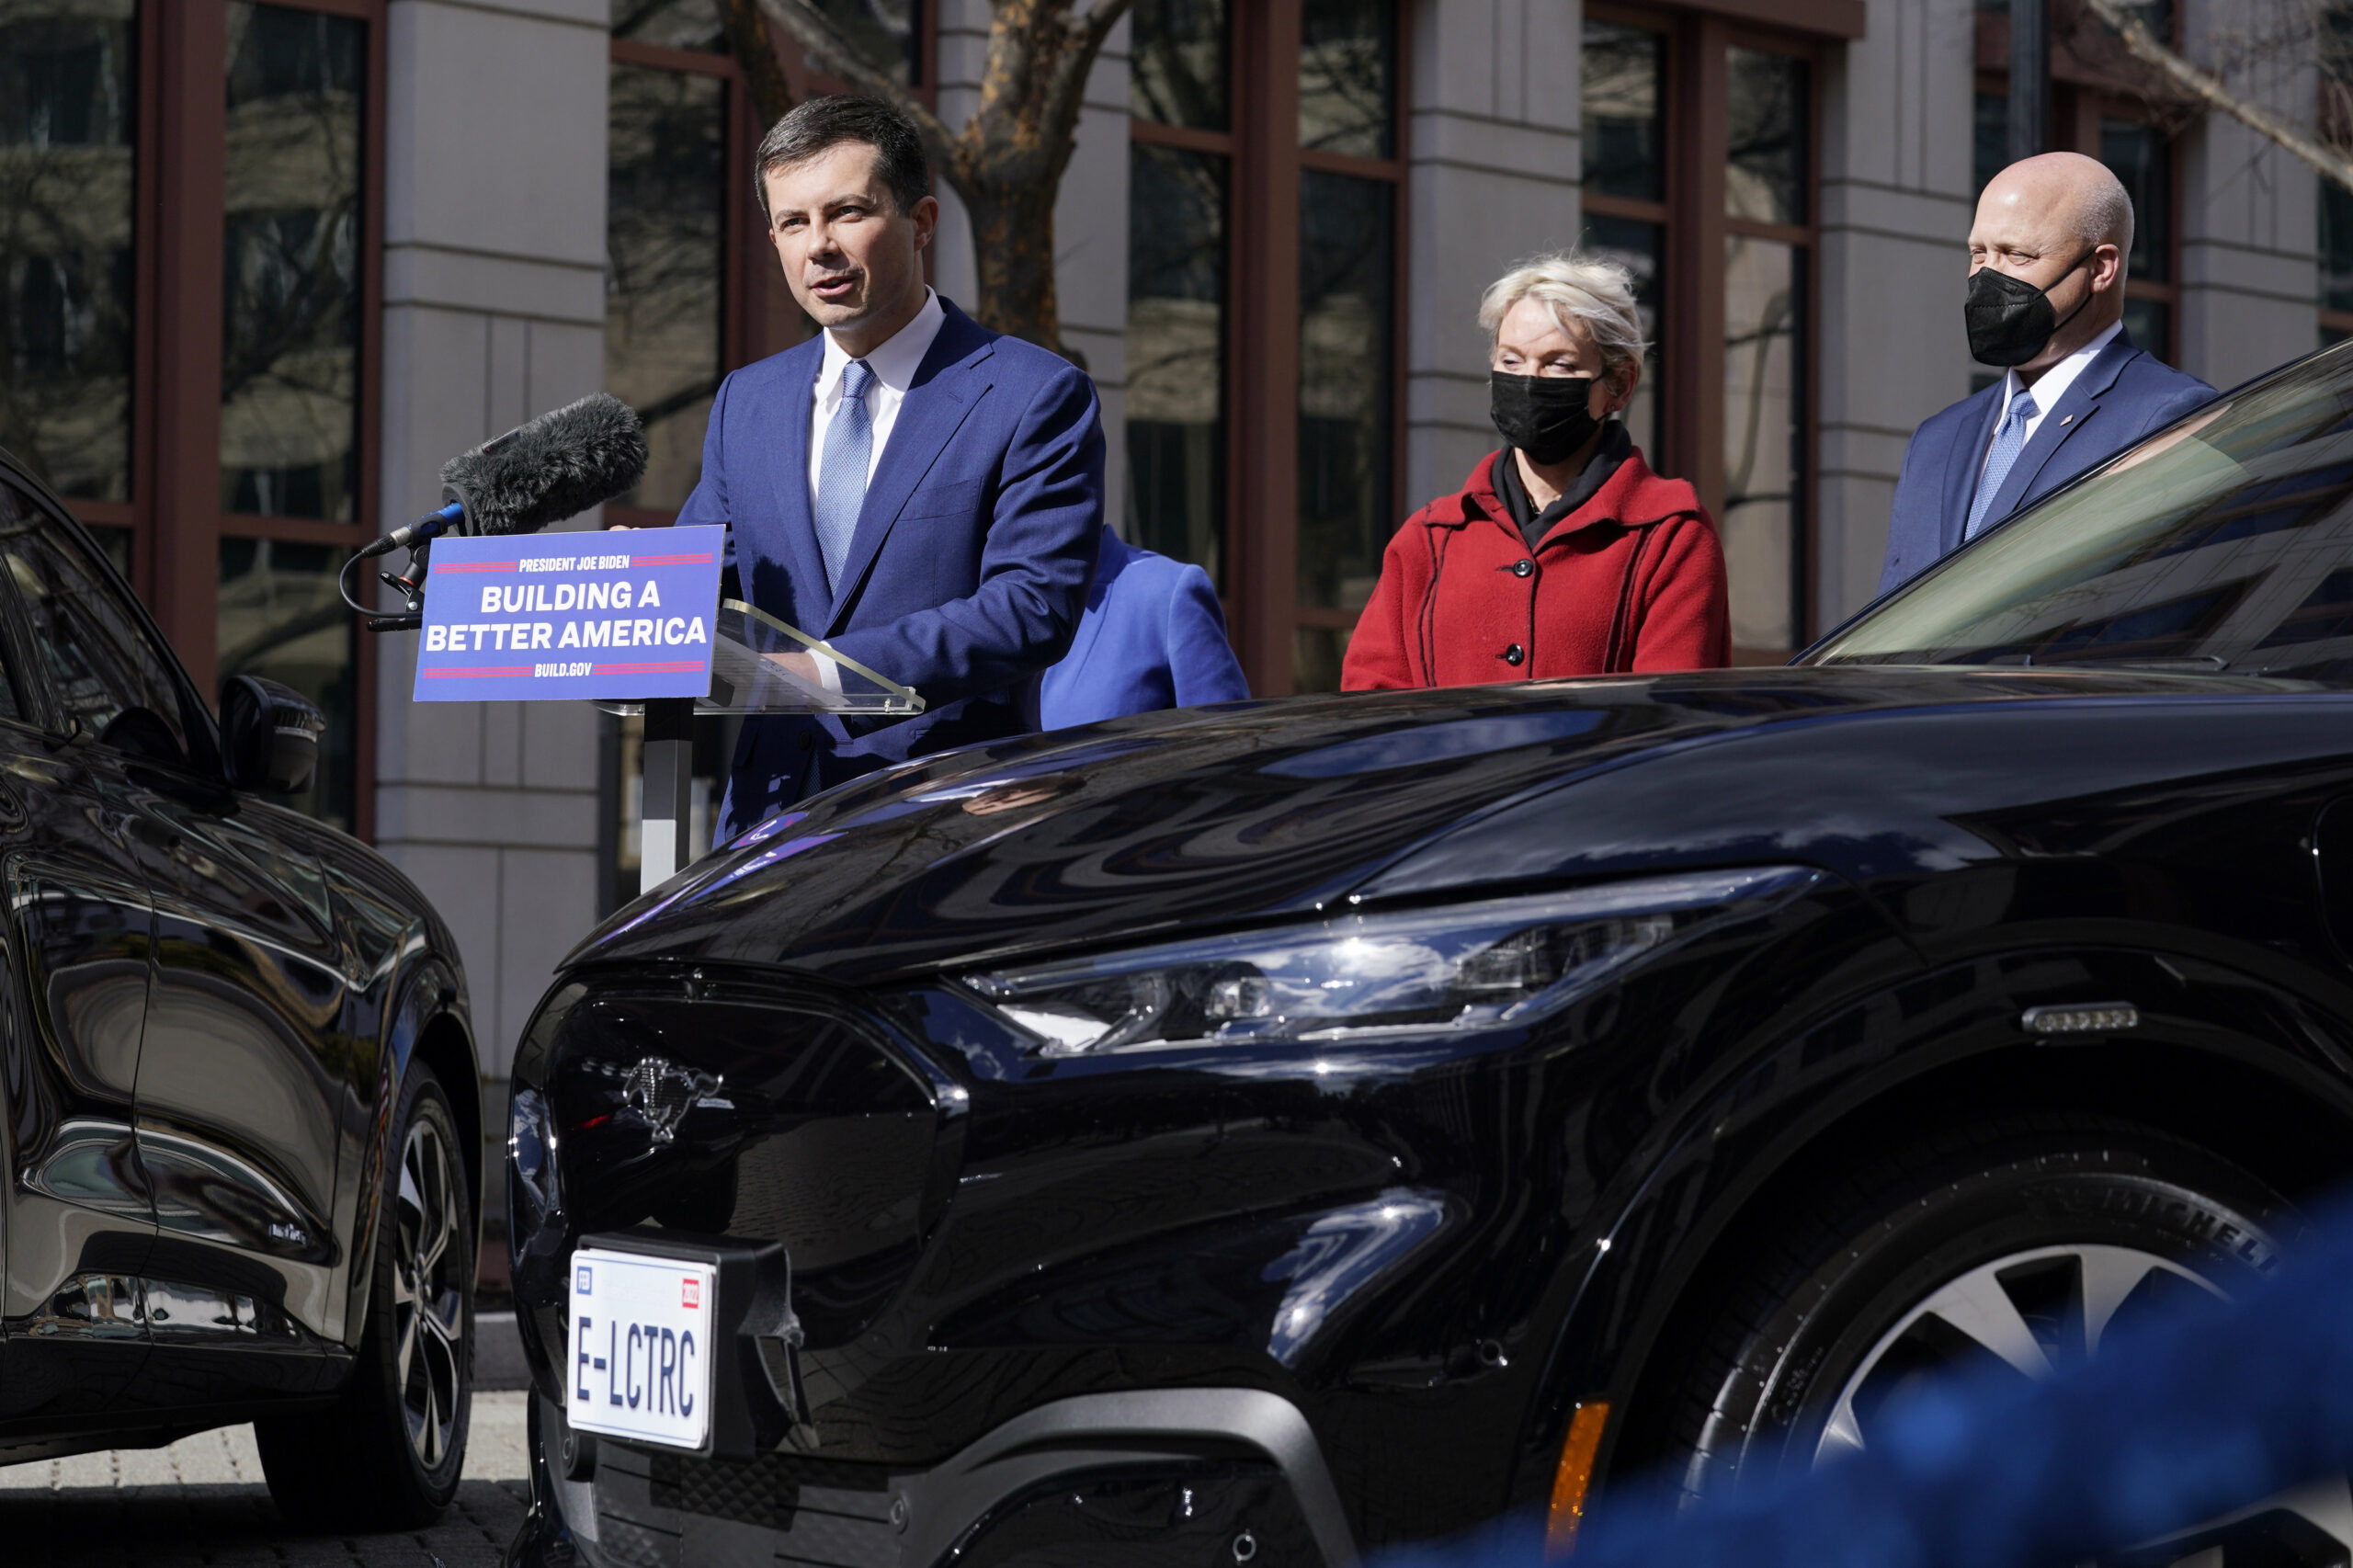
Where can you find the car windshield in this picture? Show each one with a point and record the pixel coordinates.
(2224, 542)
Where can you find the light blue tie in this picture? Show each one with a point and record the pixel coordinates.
(841, 476)
(2005, 452)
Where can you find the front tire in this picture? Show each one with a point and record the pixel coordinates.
(388, 1454)
(2012, 1248)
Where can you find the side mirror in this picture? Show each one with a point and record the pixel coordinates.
(269, 735)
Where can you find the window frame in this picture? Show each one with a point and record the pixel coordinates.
(174, 517)
(1694, 80)
(1260, 408)
(758, 316)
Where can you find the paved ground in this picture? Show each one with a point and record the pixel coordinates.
(202, 1501)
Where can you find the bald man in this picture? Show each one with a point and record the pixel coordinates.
(2046, 300)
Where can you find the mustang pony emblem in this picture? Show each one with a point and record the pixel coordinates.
(662, 1092)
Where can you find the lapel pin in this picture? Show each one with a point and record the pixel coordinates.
(2067, 419)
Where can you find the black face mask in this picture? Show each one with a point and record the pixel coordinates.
(2010, 320)
(1544, 416)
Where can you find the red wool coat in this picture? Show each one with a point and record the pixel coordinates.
(1633, 580)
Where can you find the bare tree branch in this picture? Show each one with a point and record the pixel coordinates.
(1099, 21)
(816, 33)
(2327, 160)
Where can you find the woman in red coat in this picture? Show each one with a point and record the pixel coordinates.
(1562, 554)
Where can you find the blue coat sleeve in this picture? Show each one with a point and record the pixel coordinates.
(1200, 660)
(709, 503)
(1034, 568)
(2184, 402)
(1914, 506)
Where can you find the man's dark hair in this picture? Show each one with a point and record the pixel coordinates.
(821, 123)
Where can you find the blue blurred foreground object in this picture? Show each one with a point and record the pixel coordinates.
(2176, 1422)
(1152, 637)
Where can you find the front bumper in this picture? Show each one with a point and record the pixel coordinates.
(1210, 1476)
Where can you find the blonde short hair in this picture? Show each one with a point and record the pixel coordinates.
(1584, 293)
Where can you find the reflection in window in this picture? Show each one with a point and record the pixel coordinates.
(1347, 309)
(67, 97)
(887, 32)
(1637, 247)
(2142, 157)
(1764, 433)
(290, 351)
(671, 24)
(2325, 615)
(1177, 354)
(1177, 73)
(1347, 76)
(1624, 131)
(1765, 178)
(281, 618)
(2150, 324)
(105, 670)
(1990, 146)
(665, 222)
(115, 545)
(2336, 246)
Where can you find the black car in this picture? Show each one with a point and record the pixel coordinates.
(243, 1124)
(1282, 1129)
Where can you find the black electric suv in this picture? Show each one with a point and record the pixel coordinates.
(242, 1124)
(1286, 1128)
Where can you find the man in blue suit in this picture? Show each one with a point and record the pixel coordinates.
(1153, 636)
(920, 493)
(2046, 299)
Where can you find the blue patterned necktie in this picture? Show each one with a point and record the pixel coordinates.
(841, 476)
(2005, 452)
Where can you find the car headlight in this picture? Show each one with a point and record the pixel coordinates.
(1503, 961)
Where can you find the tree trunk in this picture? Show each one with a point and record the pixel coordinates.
(1007, 164)
(1013, 246)
(755, 49)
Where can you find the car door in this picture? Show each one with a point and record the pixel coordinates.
(77, 1220)
(241, 1068)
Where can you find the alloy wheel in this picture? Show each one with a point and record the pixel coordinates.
(2030, 1312)
(428, 1291)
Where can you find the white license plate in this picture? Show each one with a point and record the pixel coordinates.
(640, 1347)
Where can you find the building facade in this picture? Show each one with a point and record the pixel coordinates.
(265, 266)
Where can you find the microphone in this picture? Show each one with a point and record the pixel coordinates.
(557, 466)
(542, 471)
(554, 467)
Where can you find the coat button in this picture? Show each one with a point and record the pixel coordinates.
(808, 743)
(1514, 654)
(1522, 568)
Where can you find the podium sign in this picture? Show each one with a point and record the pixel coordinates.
(622, 615)
(631, 620)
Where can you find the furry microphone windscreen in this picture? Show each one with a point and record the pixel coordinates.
(558, 465)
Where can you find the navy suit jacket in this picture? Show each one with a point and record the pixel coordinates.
(1153, 636)
(2123, 395)
(968, 567)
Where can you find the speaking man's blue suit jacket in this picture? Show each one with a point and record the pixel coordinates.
(965, 575)
(1153, 636)
(2123, 394)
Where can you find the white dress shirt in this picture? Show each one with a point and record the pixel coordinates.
(2047, 390)
(894, 365)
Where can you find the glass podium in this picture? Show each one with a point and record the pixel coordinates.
(759, 665)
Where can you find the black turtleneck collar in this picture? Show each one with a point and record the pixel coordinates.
(1616, 443)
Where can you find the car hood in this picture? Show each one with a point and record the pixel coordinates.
(1249, 811)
